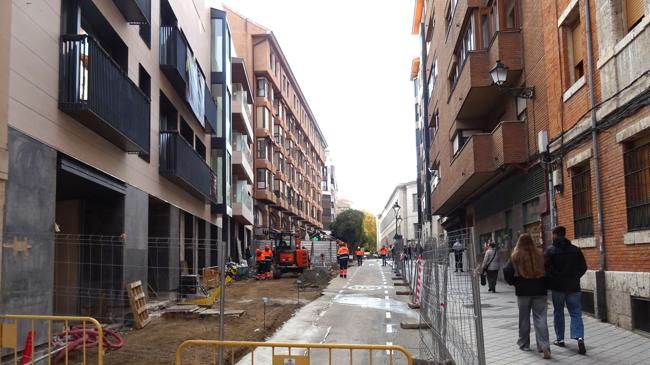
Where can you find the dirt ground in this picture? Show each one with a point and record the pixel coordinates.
(157, 342)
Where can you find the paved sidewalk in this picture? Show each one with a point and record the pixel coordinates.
(606, 343)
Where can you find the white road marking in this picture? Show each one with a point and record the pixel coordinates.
(389, 328)
(386, 297)
(322, 313)
(385, 291)
(388, 343)
(388, 315)
(340, 291)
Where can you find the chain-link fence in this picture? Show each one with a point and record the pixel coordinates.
(440, 273)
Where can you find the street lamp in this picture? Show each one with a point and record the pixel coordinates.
(396, 209)
(499, 75)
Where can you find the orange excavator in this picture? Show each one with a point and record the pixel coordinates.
(288, 255)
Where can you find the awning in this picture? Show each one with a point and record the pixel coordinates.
(415, 67)
(417, 16)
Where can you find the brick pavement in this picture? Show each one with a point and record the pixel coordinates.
(606, 343)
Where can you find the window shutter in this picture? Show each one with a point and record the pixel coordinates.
(634, 12)
(576, 40)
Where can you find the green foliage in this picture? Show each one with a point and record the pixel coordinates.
(370, 231)
(348, 226)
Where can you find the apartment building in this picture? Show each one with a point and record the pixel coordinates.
(118, 138)
(598, 124)
(476, 139)
(329, 191)
(402, 221)
(289, 146)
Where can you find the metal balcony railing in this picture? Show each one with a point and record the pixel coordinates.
(173, 56)
(180, 163)
(98, 93)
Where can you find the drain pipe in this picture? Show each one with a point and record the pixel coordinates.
(601, 294)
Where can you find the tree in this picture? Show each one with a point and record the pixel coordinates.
(348, 226)
(370, 231)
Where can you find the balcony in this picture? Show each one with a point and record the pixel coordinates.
(242, 206)
(474, 95)
(173, 56)
(241, 111)
(180, 163)
(135, 11)
(242, 158)
(482, 157)
(95, 91)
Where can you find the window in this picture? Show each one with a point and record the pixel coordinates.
(262, 178)
(168, 115)
(530, 211)
(509, 10)
(485, 31)
(448, 17)
(435, 175)
(581, 195)
(144, 81)
(272, 62)
(433, 76)
(433, 129)
(414, 202)
(186, 132)
(574, 57)
(261, 149)
(262, 118)
(460, 138)
(637, 184)
(199, 147)
(261, 87)
(633, 13)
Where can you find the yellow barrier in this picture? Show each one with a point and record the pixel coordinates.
(9, 337)
(289, 358)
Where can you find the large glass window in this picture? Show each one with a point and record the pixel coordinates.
(262, 179)
(217, 91)
(261, 149)
(261, 87)
(581, 196)
(216, 163)
(217, 45)
(262, 117)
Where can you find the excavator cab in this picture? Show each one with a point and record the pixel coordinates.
(288, 255)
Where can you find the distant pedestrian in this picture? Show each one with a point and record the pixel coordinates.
(343, 255)
(458, 249)
(565, 265)
(490, 266)
(383, 252)
(359, 253)
(525, 271)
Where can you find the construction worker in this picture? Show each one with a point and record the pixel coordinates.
(260, 261)
(343, 255)
(268, 259)
(359, 253)
(383, 252)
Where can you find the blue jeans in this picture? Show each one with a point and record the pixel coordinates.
(573, 302)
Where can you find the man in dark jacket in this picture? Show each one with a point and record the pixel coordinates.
(565, 264)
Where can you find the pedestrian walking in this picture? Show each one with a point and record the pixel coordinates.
(359, 253)
(383, 252)
(565, 265)
(526, 272)
(458, 249)
(343, 255)
(490, 266)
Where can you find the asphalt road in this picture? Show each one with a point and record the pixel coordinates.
(362, 309)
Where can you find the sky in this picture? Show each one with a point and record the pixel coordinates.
(352, 59)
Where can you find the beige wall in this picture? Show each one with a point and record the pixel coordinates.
(33, 86)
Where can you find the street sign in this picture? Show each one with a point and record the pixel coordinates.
(265, 300)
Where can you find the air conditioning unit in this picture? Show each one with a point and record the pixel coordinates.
(542, 142)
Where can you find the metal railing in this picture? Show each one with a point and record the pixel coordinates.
(90, 80)
(295, 353)
(173, 56)
(179, 161)
(52, 339)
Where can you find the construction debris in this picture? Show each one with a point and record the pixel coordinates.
(194, 311)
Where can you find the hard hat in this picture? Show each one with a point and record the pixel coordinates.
(258, 250)
(267, 247)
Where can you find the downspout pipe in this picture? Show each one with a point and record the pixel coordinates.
(601, 294)
(425, 127)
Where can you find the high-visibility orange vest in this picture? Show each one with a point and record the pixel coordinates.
(259, 256)
(383, 251)
(359, 252)
(343, 250)
(268, 254)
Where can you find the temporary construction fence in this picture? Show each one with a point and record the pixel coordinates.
(205, 352)
(36, 339)
(451, 324)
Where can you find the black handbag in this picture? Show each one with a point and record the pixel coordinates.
(483, 279)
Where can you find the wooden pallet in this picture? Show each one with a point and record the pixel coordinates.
(137, 300)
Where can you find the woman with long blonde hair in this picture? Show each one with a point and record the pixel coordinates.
(526, 272)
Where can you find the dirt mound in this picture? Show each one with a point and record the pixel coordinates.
(315, 277)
